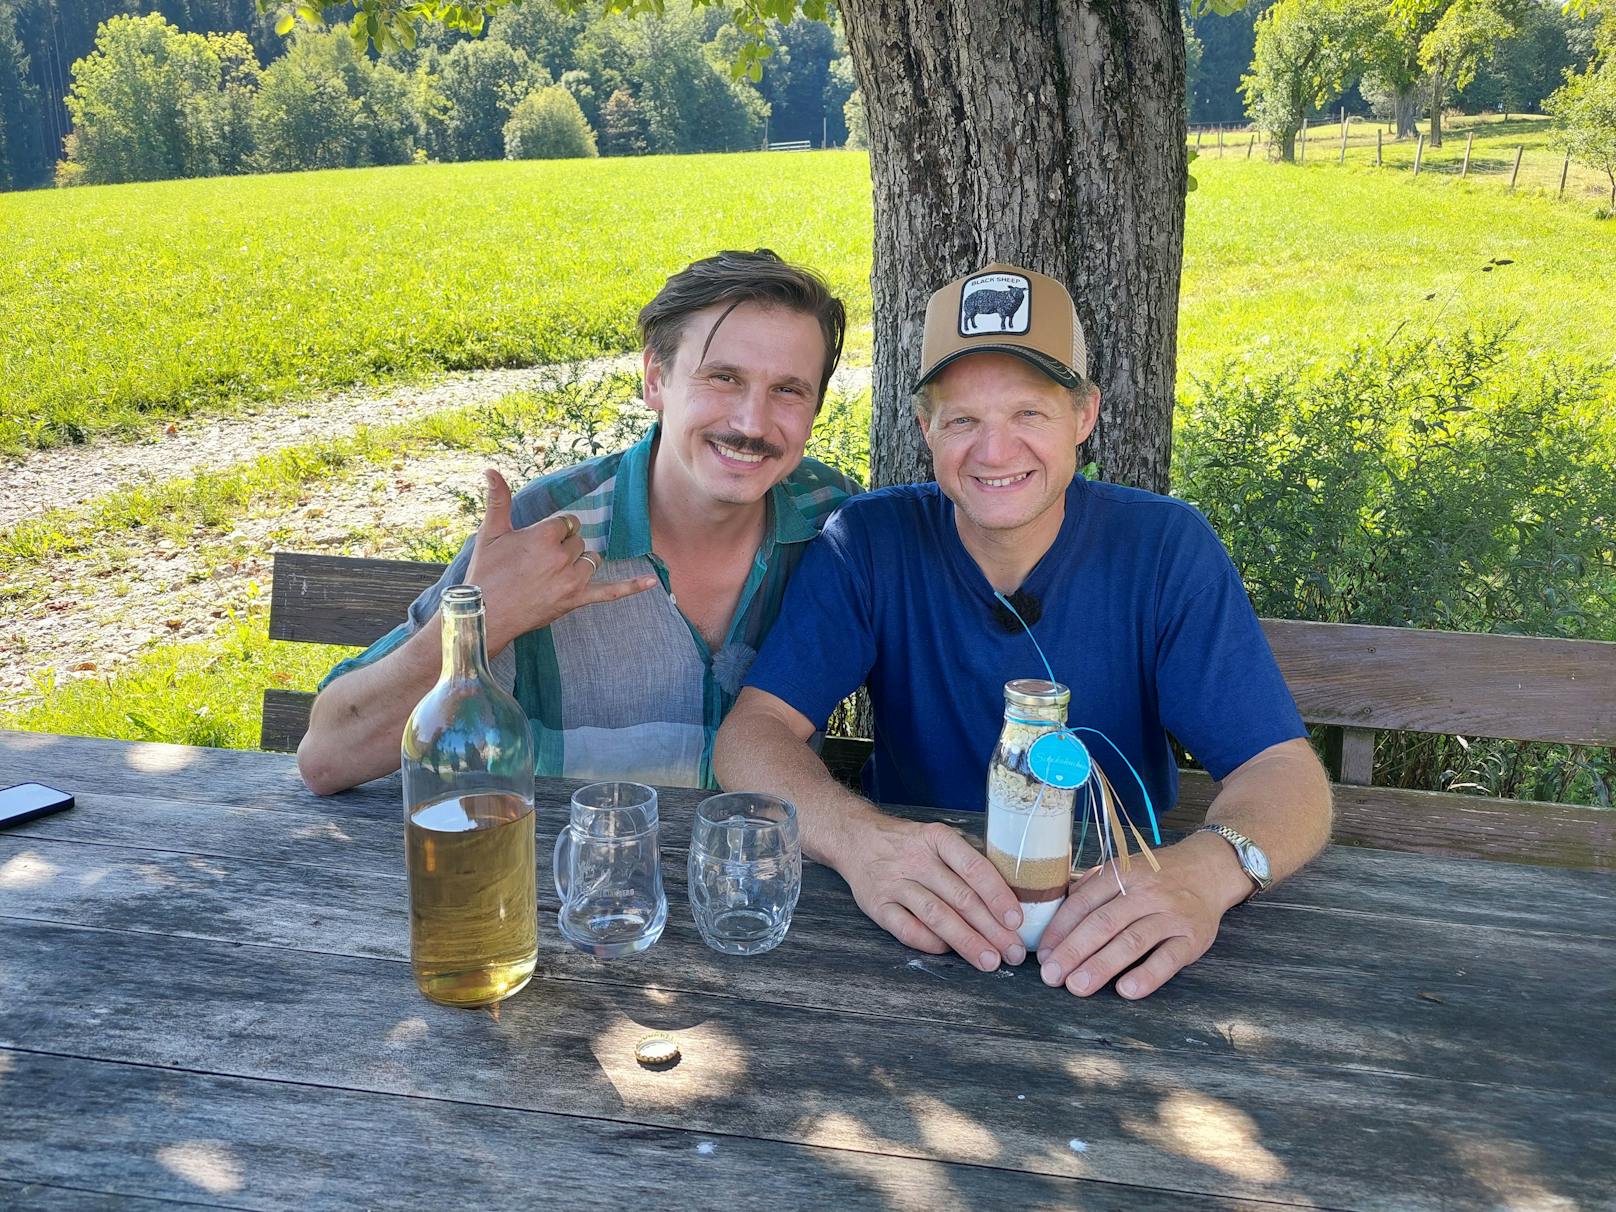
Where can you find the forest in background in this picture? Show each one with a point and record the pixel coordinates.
(639, 92)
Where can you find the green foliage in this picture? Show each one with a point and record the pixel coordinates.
(548, 125)
(1550, 43)
(1466, 33)
(483, 81)
(324, 105)
(682, 89)
(858, 127)
(841, 434)
(623, 128)
(22, 147)
(152, 103)
(1432, 483)
(1585, 108)
(1306, 52)
(1425, 484)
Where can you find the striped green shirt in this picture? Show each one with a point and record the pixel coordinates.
(629, 689)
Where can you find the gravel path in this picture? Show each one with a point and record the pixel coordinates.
(66, 476)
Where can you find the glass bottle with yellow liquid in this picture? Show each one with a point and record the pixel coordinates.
(467, 760)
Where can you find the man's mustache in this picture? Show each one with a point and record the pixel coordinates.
(746, 445)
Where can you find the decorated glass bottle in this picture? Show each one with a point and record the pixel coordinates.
(1029, 826)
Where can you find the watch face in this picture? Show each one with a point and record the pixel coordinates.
(1256, 861)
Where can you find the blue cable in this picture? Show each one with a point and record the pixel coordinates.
(1150, 809)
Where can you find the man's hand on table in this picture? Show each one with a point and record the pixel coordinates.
(1170, 916)
(532, 576)
(932, 890)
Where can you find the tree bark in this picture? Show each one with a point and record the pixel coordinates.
(1287, 147)
(1046, 134)
(1405, 103)
(1439, 92)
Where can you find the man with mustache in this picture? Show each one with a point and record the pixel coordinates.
(1139, 609)
(626, 596)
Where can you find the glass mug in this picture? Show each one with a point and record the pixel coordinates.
(745, 871)
(608, 872)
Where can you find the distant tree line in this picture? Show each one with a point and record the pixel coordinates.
(1544, 42)
(117, 92)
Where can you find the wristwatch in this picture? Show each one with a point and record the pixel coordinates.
(1252, 859)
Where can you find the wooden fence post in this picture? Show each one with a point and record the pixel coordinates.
(1565, 171)
(1516, 171)
(1251, 144)
(1419, 151)
(1465, 171)
(1197, 138)
(1343, 141)
(1378, 134)
(1301, 148)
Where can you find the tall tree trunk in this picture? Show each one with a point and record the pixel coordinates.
(1287, 147)
(1049, 134)
(1439, 92)
(1405, 110)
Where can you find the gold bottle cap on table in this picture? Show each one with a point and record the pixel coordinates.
(657, 1050)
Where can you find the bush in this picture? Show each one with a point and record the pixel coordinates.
(548, 125)
(324, 105)
(483, 82)
(1585, 107)
(858, 130)
(1440, 484)
(150, 103)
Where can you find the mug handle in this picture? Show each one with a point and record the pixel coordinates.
(562, 864)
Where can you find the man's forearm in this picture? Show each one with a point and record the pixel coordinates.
(759, 753)
(358, 720)
(1280, 799)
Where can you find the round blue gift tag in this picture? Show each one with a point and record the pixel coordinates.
(1060, 759)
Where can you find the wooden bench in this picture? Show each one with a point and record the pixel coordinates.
(1354, 679)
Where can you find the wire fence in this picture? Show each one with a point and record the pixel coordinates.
(1513, 153)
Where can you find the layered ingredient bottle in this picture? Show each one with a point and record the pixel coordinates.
(1029, 827)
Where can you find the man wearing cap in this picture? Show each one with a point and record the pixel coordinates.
(1131, 596)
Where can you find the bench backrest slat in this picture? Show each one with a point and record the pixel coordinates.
(320, 599)
(1520, 687)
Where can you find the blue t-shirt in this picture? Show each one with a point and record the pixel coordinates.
(1143, 616)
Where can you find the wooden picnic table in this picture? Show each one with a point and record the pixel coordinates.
(205, 999)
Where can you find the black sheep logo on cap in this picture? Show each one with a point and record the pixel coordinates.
(1001, 303)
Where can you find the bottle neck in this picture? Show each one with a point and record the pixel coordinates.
(1053, 716)
(465, 651)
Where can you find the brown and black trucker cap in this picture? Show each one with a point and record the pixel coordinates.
(1005, 309)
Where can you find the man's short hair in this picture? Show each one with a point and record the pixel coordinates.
(742, 277)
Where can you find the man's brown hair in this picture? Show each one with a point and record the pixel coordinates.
(741, 277)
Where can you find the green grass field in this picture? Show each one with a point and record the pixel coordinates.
(127, 303)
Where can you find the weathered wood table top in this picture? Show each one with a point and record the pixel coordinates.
(205, 999)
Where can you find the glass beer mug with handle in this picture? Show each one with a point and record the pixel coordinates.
(608, 871)
(467, 761)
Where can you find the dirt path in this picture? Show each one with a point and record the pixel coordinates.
(73, 475)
